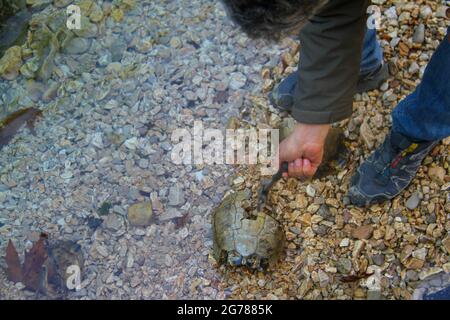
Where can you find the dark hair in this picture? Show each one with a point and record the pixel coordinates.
(271, 19)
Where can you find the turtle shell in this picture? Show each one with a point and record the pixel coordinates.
(255, 242)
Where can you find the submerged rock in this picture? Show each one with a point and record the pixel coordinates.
(10, 63)
(77, 46)
(140, 214)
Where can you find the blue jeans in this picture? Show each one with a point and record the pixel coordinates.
(424, 115)
(372, 54)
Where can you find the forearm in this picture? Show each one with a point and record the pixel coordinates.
(330, 55)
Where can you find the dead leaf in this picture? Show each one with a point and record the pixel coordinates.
(32, 265)
(354, 278)
(14, 270)
(12, 123)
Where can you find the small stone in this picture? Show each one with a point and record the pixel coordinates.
(96, 14)
(131, 143)
(345, 242)
(61, 3)
(97, 140)
(425, 12)
(437, 174)
(446, 244)
(344, 265)
(10, 63)
(363, 232)
(420, 253)
(378, 259)
(176, 195)
(301, 201)
(111, 104)
(429, 272)
(237, 80)
(413, 201)
(446, 267)
(441, 12)
(305, 219)
(175, 42)
(169, 214)
(324, 212)
(117, 14)
(413, 68)
(411, 276)
(374, 295)
(190, 95)
(332, 202)
(105, 59)
(419, 34)
(389, 233)
(358, 248)
(310, 191)
(324, 279)
(77, 46)
(102, 251)
(367, 134)
(114, 222)
(404, 16)
(140, 214)
(51, 92)
(117, 49)
(312, 208)
(88, 29)
(414, 263)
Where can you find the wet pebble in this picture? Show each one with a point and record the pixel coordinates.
(413, 201)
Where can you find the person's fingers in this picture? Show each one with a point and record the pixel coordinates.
(290, 169)
(296, 168)
(308, 169)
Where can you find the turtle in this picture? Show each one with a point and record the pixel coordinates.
(240, 239)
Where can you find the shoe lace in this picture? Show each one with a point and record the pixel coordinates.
(389, 161)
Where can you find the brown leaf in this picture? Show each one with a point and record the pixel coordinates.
(32, 266)
(354, 278)
(11, 124)
(14, 270)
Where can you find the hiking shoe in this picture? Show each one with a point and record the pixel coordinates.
(388, 170)
(373, 80)
(282, 95)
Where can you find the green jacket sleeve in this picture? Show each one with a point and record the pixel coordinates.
(330, 55)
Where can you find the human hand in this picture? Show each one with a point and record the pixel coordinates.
(303, 149)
